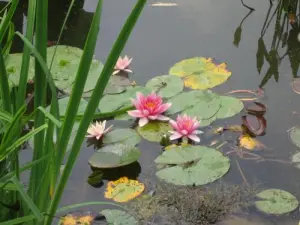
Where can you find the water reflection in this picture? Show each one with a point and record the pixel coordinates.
(285, 41)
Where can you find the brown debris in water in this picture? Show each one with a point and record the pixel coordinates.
(178, 205)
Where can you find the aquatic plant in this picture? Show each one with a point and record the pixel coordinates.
(124, 189)
(150, 107)
(185, 127)
(122, 65)
(97, 130)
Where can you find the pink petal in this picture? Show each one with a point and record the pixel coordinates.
(143, 122)
(128, 70)
(140, 97)
(108, 129)
(175, 136)
(89, 136)
(154, 117)
(174, 124)
(135, 113)
(98, 136)
(116, 72)
(194, 137)
(163, 118)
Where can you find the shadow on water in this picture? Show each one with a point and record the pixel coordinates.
(165, 35)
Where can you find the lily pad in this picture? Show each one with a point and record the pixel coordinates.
(295, 136)
(65, 64)
(63, 103)
(199, 165)
(229, 107)
(124, 116)
(118, 217)
(13, 64)
(166, 86)
(200, 72)
(114, 155)
(114, 102)
(124, 189)
(124, 136)
(276, 201)
(154, 130)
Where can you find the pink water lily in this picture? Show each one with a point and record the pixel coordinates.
(97, 130)
(122, 65)
(148, 108)
(185, 126)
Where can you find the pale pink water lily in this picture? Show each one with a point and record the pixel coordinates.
(185, 127)
(122, 65)
(148, 108)
(97, 130)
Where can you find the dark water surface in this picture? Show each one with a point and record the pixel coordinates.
(166, 35)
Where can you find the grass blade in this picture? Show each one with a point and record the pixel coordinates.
(10, 37)
(27, 199)
(19, 220)
(26, 53)
(69, 207)
(5, 116)
(4, 87)
(93, 103)
(7, 19)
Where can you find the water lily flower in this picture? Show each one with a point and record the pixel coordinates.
(98, 130)
(185, 127)
(123, 65)
(149, 108)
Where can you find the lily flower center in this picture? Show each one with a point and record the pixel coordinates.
(150, 104)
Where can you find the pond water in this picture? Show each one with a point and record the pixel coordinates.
(166, 35)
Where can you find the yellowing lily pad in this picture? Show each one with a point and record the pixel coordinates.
(250, 143)
(166, 86)
(124, 189)
(154, 130)
(276, 201)
(200, 72)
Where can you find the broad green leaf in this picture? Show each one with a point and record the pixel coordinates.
(200, 72)
(207, 165)
(123, 136)
(118, 217)
(295, 136)
(114, 155)
(13, 68)
(95, 178)
(63, 103)
(276, 201)
(166, 86)
(113, 102)
(65, 64)
(154, 130)
(296, 159)
(124, 116)
(229, 107)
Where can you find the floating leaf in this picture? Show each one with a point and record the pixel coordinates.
(95, 178)
(124, 116)
(295, 136)
(250, 143)
(68, 220)
(237, 36)
(296, 159)
(114, 155)
(166, 86)
(113, 102)
(201, 73)
(276, 201)
(118, 217)
(296, 85)
(63, 103)
(124, 136)
(229, 107)
(154, 130)
(13, 64)
(71, 219)
(254, 125)
(209, 165)
(65, 64)
(123, 190)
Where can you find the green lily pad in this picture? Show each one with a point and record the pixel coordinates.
(166, 86)
(295, 136)
(13, 64)
(124, 136)
(200, 72)
(95, 178)
(114, 155)
(296, 159)
(276, 201)
(230, 106)
(63, 103)
(114, 102)
(118, 217)
(154, 130)
(65, 64)
(124, 116)
(195, 165)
